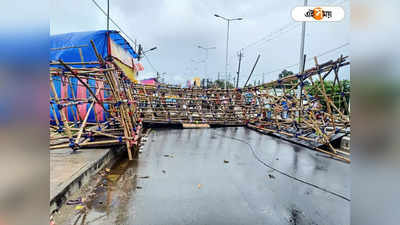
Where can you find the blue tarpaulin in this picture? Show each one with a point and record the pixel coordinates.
(66, 46)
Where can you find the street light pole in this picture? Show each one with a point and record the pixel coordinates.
(227, 44)
(206, 60)
(226, 55)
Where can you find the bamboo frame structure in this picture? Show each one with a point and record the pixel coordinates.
(282, 108)
(296, 115)
(120, 124)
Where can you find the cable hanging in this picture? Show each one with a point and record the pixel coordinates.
(120, 29)
(309, 59)
(284, 173)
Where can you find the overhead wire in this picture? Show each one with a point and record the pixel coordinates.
(120, 29)
(123, 32)
(307, 60)
(289, 26)
(265, 39)
(284, 173)
(284, 29)
(151, 64)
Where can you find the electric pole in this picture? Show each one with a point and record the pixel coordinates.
(238, 72)
(303, 33)
(263, 78)
(135, 45)
(229, 79)
(108, 15)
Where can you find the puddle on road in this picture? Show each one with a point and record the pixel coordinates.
(109, 204)
(111, 197)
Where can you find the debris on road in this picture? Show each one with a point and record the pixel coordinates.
(74, 202)
(79, 207)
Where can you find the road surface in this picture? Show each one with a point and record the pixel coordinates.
(204, 177)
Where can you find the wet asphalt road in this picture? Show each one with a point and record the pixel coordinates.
(189, 183)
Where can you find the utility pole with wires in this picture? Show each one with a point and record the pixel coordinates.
(303, 33)
(238, 72)
(263, 81)
(302, 63)
(108, 15)
(135, 45)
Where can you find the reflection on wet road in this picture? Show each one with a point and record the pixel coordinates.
(198, 177)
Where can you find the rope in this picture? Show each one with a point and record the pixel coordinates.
(284, 173)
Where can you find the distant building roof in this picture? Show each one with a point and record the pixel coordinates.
(149, 81)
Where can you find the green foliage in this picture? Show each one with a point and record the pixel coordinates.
(220, 84)
(285, 73)
(333, 92)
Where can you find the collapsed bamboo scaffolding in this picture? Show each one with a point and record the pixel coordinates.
(283, 107)
(117, 123)
(294, 113)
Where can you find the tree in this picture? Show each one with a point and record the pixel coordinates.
(285, 73)
(333, 92)
(221, 84)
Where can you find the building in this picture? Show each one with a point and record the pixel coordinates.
(150, 81)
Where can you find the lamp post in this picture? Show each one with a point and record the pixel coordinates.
(141, 52)
(228, 20)
(153, 48)
(206, 60)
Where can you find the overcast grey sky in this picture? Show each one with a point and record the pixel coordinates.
(176, 27)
